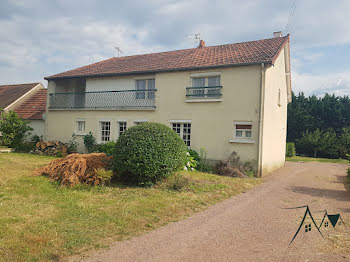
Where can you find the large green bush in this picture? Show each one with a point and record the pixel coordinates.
(290, 149)
(13, 129)
(148, 152)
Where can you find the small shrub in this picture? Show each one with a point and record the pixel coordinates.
(35, 139)
(73, 144)
(203, 164)
(77, 169)
(107, 148)
(25, 147)
(59, 154)
(290, 149)
(90, 142)
(191, 163)
(194, 154)
(348, 172)
(103, 175)
(147, 153)
(178, 183)
(250, 168)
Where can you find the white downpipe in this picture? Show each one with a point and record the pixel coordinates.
(261, 117)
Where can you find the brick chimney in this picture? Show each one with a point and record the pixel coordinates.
(201, 44)
(277, 34)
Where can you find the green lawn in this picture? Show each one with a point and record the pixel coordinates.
(312, 159)
(40, 221)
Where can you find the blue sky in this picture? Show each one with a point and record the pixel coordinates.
(41, 38)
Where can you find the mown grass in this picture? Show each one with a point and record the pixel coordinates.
(41, 221)
(312, 159)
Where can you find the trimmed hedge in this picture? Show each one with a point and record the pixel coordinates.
(147, 153)
(290, 149)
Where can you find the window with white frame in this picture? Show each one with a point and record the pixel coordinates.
(205, 86)
(243, 131)
(80, 126)
(145, 86)
(105, 131)
(184, 131)
(121, 127)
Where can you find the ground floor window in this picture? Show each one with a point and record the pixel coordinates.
(184, 131)
(243, 131)
(121, 127)
(80, 126)
(105, 131)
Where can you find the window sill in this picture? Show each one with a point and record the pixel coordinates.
(242, 141)
(81, 134)
(202, 100)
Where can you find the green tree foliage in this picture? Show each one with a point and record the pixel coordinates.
(319, 144)
(290, 149)
(13, 129)
(311, 113)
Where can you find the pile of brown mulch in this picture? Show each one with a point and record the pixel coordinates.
(76, 168)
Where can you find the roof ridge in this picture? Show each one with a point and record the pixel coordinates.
(37, 83)
(240, 53)
(193, 48)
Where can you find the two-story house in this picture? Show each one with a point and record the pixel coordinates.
(222, 98)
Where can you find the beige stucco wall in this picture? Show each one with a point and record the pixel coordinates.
(212, 122)
(275, 116)
(38, 127)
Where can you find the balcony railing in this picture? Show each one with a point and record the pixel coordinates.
(122, 100)
(207, 92)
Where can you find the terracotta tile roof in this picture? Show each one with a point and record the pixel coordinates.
(10, 93)
(253, 52)
(34, 107)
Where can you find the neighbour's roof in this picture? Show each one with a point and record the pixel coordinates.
(34, 107)
(246, 53)
(10, 93)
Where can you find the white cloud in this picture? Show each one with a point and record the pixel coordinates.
(338, 84)
(40, 38)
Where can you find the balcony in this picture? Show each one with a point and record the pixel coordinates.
(203, 94)
(117, 100)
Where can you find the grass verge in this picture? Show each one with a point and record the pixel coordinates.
(312, 159)
(40, 221)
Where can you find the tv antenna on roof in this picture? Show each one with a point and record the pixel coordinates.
(118, 50)
(195, 37)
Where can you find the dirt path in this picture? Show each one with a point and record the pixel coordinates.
(254, 226)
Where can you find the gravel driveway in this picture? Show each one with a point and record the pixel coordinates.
(253, 226)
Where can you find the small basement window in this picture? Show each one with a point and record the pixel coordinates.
(80, 127)
(243, 131)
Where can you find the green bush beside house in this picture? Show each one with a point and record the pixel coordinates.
(147, 153)
(290, 149)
